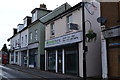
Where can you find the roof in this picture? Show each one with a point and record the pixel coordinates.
(27, 17)
(17, 33)
(40, 9)
(55, 12)
(71, 9)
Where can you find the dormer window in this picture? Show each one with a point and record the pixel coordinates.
(34, 16)
(25, 22)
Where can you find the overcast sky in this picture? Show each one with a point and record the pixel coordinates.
(12, 12)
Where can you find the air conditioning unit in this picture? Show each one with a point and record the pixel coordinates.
(73, 26)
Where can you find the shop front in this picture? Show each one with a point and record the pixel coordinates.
(12, 58)
(33, 57)
(112, 36)
(114, 57)
(64, 59)
(24, 58)
(16, 57)
(62, 54)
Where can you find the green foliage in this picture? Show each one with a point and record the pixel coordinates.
(91, 35)
(4, 48)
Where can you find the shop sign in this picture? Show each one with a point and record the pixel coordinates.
(111, 33)
(66, 39)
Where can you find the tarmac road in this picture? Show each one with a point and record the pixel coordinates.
(11, 74)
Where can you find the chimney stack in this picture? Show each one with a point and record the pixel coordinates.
(43, 6)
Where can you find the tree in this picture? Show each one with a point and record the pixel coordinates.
(4, 48)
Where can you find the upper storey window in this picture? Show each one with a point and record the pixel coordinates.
(36, 35)
(69, 21)
(34, 16)
(52, 29)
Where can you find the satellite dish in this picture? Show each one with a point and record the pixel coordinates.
(101, 20)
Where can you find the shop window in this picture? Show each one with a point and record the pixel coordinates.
(12, 57)
(51, 61)
(33, 57)
(16, 57)
(71, 60)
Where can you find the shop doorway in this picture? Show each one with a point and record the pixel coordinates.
(114, 59)
(52, 61)
(60, 61)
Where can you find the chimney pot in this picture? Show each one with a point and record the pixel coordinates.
(43, 6)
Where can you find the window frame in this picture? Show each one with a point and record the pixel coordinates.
(69, 20)
(52, 29)
(25, 39)
(31, 36)
(36, 34)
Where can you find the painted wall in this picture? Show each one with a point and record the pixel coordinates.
(61, 24)
(93, 56)
(31, 29)
(23, 34)
(15, 42)
(41, 36)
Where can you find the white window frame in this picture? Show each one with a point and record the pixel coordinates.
(31, 36)
(34, 16)
(36, 34)
(25, 22)
(18, 43)
(68, 21)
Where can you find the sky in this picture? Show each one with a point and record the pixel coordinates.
(12, 13)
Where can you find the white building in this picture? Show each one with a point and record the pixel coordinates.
(14, 46)
(19, 43)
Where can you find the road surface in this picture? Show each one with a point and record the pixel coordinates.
(11, 74)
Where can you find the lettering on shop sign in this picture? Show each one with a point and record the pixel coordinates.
(66, 39)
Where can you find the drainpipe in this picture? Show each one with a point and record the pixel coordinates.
(84, 44)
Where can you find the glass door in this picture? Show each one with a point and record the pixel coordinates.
(60, 61)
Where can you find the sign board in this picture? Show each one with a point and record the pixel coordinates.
(112, 33)
(62, 40)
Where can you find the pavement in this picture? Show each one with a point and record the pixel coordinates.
(43, 74)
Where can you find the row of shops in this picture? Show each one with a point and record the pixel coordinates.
(22, 58)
